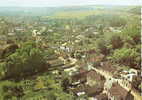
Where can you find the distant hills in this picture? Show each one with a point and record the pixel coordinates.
(47, 11)
(135, 10)
(38, 11)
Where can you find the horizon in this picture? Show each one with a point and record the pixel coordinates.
(67, 6)
(67, 3)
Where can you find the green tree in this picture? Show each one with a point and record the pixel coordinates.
(127, 56)
(26, 60)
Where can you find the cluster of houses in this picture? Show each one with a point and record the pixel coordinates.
(128, 75)
(89, 82)
(116, 92)
(92, 84)
(86, 81)
(113, 29)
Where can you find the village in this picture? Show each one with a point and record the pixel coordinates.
(78, 57)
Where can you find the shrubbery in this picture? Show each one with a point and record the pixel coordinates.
(10, 91)
(102, 46)
(44, 87)
(133, 30)
(116, 41)
(26, 60)
(126, 56)
(124, 47)
(127, 45)
(109, 42)
(116, 21)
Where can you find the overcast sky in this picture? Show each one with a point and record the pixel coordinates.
(42, 3)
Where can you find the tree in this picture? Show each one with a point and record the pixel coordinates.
(26, 60)
(102, 46)
(126, 56)
(116, 41)
(133, 29)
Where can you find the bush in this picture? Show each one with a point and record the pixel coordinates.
(10, 90)
(116, 41)
(126, 56)
(133, 30)
(136, 83)
(128, 41)
(26, 60)
(116, 21)
(102, 46)
(52, 90)
(9, 49)
(138, 48)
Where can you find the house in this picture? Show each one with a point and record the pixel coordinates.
(80, 90)
(92, 98)
(90, 91)
(101, 96)
(81, 93)
(95, 58)
(95, 33)
(116, 92)
(134, 71)
(50, 30)
(65, 48)
(88, 82)
(108, 84)
(113, 29)
(11, 34)
(128, 75)
(80, 77)
(19, 28)
(80, 37)
(35, 33)
(94, 90)
(93, 78)
(56, 63)
(71, 70)
(107, 66)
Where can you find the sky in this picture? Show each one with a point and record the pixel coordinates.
(48, 3)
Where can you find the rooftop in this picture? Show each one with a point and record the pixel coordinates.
(119, 92)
